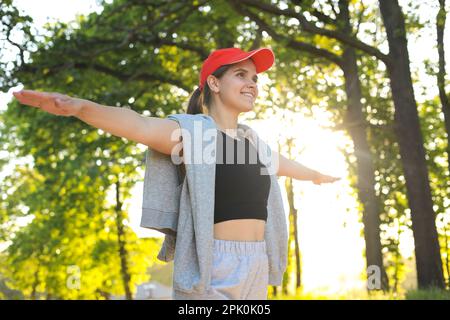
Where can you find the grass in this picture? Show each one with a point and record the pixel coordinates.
(312, 296)
(430, 294)
(349, 295)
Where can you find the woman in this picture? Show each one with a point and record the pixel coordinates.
(227, 87)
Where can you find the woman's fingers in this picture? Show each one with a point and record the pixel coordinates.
(326, 179)
(52, 102)
(25, 99)
(47, 101)
(32, 98)
(333, 179)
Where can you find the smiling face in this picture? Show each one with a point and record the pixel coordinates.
(238, 88)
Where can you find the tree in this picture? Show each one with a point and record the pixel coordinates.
(354, 121)
(406, 122)
(441, 83)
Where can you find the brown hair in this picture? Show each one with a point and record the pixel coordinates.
(201, 99)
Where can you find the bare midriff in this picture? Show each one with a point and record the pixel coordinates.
(240, 230)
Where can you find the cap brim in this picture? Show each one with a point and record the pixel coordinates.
(263, 58)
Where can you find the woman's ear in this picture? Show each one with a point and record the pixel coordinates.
(213, 83)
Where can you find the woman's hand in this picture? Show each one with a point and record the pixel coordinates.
(52, 102)
(323, 178)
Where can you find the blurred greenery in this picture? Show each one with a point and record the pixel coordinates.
(63, 212)
(433, 294)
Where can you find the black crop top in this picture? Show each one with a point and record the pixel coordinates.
(241, 191)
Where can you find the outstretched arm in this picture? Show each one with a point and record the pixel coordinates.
(159, 134)
(295, 170)
(121, 122)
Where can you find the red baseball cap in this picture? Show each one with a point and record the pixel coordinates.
(263, 59)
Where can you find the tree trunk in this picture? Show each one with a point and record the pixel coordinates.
(447, 258)
(293, 234)
(407, 129)
(121, 241)
(440, 25)
(397, 261)
(364, 162)
(274, 291)
(35, 284)
(298, 270)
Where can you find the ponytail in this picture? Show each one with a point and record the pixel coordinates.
(201, 101)
(195, 104)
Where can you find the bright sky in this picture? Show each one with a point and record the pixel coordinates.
(329, 230)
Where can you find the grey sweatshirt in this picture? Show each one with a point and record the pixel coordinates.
(182, 207)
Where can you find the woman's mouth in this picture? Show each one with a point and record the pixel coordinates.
(248, 95)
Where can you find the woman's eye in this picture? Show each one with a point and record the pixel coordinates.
(240, 74)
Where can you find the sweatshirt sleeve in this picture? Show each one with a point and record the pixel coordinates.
(161, 194)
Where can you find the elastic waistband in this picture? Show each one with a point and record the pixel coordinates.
(240, 247)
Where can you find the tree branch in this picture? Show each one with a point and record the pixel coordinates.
(257, 42)
(138, 75)
(336, 14)
(352, 124)
(360, 15)
(288, 41)
(318, 14)
(310, 27)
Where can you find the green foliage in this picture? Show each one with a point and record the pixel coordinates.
(147, 56)
(350, 295)
(431, 294)
(133, 54)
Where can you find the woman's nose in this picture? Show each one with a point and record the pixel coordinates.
(252, 84)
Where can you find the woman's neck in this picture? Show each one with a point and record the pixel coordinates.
(225, 122)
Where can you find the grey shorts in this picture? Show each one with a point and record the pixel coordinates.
(240, 272)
